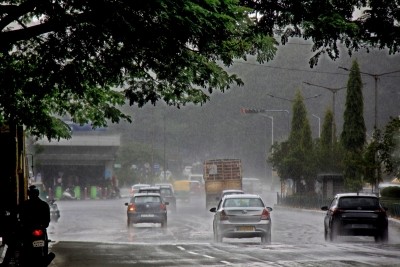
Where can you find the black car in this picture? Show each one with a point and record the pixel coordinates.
(354, 214)
(147, 208)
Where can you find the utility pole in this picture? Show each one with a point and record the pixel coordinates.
(376, 78)
(334, 91)
(292, 100)
(319, 124)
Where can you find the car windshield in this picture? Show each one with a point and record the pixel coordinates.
(350, 202)
(243, 202)
(146, 199)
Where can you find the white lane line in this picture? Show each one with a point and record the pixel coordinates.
(181, 248)
(210, 257)
(226, 262)
(193, 253)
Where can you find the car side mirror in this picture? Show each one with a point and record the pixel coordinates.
(269, 209)
(214, 209)
(126, 204)
(324, 208)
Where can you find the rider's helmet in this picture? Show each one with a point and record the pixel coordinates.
(33, 192)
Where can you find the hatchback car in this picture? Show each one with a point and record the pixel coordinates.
(147, 208)
(242, 216)
(355, 214)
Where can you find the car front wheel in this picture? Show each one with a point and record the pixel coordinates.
(334, 231)
(217, 236)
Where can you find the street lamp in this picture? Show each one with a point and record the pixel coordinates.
(292, 100)
(319, 125)
(249, 110)
(334, 91)
(376, 77)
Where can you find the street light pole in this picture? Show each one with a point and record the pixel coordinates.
(376, 78)
(292, 100)
(319, 124)
(334, 91)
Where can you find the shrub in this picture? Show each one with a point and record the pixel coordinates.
(391, 192)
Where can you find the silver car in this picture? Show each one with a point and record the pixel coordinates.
(242, 216)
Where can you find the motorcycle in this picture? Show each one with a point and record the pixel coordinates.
(54, 211)
(68, 195)
(27, 248)
(36, 248)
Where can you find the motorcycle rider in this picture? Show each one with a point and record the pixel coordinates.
(34, 212)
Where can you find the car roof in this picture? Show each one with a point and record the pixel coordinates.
(355, 195)
(150, 188)
(140, 185)
(164, 185)
(242, 196)
(232, 190)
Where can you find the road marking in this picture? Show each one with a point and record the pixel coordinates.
(226, 262)
(181, 248)
(208, 256)
(194, 253)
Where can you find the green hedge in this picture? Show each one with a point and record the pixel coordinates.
(391, 192)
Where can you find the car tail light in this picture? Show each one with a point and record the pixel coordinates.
(223, 216)
(163, 206)
(37, 232)
(132, 207)
(380, 210)
(336, 211)
(265, 215)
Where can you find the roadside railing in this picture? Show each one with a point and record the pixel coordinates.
(316, 202)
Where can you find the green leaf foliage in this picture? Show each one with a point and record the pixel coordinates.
(85, 59)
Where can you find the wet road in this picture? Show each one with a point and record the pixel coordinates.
(94, 233)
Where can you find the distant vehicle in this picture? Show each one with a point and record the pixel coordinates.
(147, 208)
(196, 188)
(242, 216)
(219, 175)
(135, 188)
(355, 214)
(196, 177)
(149, 189)
(252, 185)
(230, 192)
(165, 185)
(167, 193)
(182, 190)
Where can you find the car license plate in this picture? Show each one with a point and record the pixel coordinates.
(38, 243)
(147, 215)
(245, 228)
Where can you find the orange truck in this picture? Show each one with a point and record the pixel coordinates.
(219, 175)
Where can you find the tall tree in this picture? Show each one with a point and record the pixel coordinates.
(353, 136)
(295, 159)
(328, 152)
